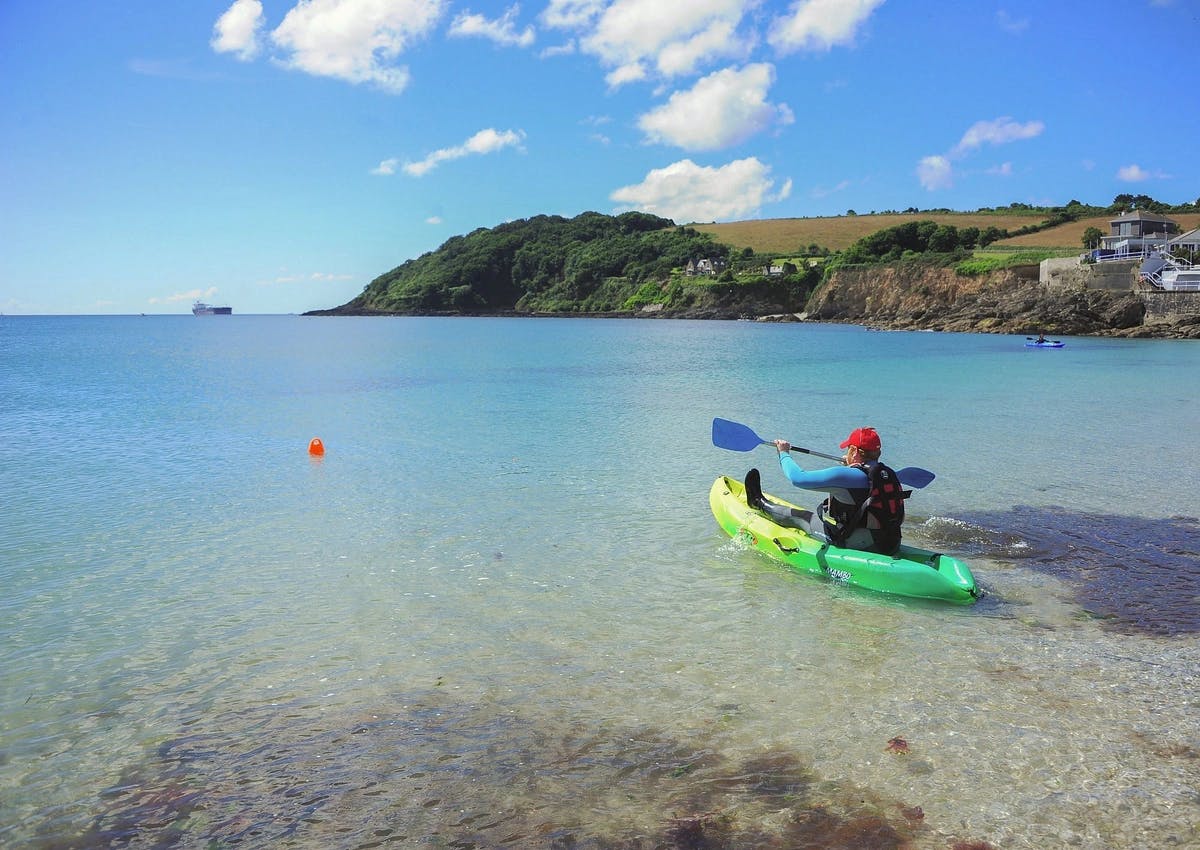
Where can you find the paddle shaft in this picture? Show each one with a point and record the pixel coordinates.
(838, 458)
(741, 438)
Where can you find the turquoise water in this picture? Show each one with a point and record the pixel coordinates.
(499, 613)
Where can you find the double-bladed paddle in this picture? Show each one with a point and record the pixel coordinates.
(741, 438)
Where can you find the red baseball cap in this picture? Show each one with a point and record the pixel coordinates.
(862, 438)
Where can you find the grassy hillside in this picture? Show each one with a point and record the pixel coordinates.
(786, 235)
(1071, 235)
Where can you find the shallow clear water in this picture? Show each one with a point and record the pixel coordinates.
(499, 612)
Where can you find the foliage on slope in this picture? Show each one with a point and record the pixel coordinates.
(590, 263)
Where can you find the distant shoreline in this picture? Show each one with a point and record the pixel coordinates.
(1151, 330)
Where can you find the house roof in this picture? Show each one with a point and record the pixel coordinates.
(1139, 215)
(1191, 237)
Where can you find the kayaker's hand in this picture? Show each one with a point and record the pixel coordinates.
(783, 446)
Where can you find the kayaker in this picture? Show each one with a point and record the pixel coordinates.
(865, 506)
(1041, 339)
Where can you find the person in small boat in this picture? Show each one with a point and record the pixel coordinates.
(1041, 338)
(865, 506)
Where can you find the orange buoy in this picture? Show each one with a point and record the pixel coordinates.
(315, 447)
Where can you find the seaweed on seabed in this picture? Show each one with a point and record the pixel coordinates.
(694, 832)
(779, 782)
(817, 827)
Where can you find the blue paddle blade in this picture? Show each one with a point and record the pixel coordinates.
(734, 436)
(915, 477)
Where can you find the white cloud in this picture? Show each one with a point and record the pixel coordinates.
(558, 50)
(1004, 169)
(572, 14)
(630, 73)
(683, 57)
(483, 142)
(190, 295)
(237, 30)
(386, 168)
(1010, 24)
(355, 40)
(820, 24)
(503, 30)
(1132, 173)
(721, 110)
(434, 219)
(633, 37)
(935, 172)
(687, 192)
(998, 132)
(822, 192)
(598, 121)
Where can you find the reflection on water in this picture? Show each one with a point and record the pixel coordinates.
(1133, 574)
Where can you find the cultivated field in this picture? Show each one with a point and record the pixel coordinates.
(1071, 235)
(786, 235)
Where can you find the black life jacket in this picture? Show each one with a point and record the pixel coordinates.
(882, 501)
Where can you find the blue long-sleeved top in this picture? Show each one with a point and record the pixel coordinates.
(837, 481)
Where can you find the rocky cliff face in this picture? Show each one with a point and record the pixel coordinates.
(999, 302)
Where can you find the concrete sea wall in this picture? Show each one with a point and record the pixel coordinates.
(1164, 306)
(1069, 273)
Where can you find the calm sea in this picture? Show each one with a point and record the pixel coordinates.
(498, 613)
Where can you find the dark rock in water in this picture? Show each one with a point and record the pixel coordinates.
(1131, 573)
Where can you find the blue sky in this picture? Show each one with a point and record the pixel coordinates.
(277, 155)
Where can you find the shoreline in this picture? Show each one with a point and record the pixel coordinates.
(1186, 327)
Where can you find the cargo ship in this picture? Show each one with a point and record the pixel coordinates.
(202, 309)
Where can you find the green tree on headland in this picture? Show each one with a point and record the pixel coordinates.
(911, 239)
(590, 263)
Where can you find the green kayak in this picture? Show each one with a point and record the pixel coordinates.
(911, 572)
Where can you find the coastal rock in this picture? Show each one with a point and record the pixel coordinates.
(1009, 301)
(1128, 312)
(921, 297)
